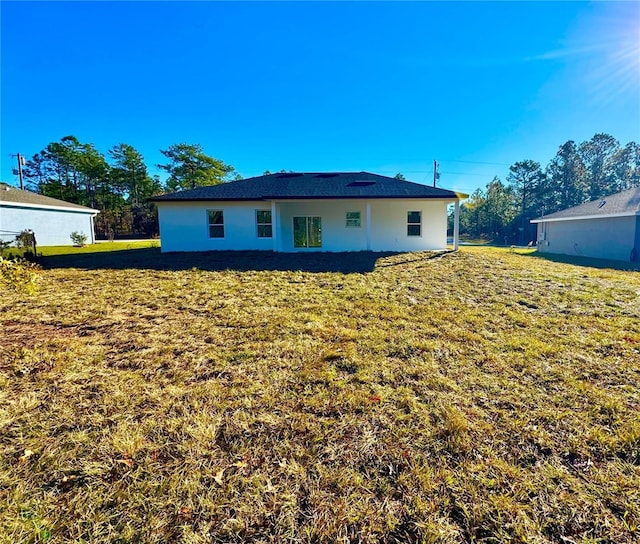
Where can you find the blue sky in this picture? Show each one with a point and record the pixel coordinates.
(383, 87)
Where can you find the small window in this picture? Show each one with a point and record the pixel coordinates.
(414, 223)
(216, 223)
(353, 219)
(263, 221)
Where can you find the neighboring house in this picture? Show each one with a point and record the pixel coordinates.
(51, 220)
(608, 228)
(289, 212)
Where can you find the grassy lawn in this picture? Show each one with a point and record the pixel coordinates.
(486, 395)
(102, 247)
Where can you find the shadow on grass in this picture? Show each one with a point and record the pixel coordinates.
(584, 261)
(153, 259)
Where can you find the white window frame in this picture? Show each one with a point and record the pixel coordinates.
(414, 224)
(269, 224)
(356, 223)
(210, 224)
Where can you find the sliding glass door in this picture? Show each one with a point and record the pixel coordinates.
(307, 232)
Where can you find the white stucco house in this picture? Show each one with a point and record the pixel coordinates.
(306, 212)
(608, 228)
(51, 220)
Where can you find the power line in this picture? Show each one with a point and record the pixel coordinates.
(465, 174)
(478, 162)
(426, 172)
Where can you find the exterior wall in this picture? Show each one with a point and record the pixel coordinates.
(51, 227)
(184, 225)
(389, 225)
(336, 236)
(607, 238)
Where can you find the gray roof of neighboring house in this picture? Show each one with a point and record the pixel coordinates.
(13, 195)
(312, 185)
(624, 203)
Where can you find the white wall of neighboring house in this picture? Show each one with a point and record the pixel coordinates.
(601, 238)
(52, 227)
(184, 225)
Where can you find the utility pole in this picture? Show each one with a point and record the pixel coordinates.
(436, 174)
(21, 162)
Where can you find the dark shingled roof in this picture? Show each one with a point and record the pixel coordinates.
(624, 203)
(13, 195)
(312, 185)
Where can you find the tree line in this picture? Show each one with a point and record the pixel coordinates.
(119, 184)
(501, 212)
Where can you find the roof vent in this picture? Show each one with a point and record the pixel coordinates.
(290, 175)
(602, 203)
(327, 175)
(361, 183)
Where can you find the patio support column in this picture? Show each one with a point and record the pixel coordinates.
(275, 226)
(456, 225)
(368, 219)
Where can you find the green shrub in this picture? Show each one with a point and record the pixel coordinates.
(24, 240)
(19, 275)
(5, 244)
(79, 239)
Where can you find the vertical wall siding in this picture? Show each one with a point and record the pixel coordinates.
(606, 238)
(51, 227)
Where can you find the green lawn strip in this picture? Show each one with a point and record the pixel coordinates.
(479, 396)
(102, 247)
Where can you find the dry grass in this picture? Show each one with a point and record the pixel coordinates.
(482, 396)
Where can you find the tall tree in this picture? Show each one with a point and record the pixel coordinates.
(64, 157)
(37, 173)
(489, 213)
(626, 167)
(526, 178)
(67, 169)
(501, 210)
(94, 172)
(598, 155)
(130, 176)
(567, 176)
(471, 214)
(190, 167)
(131, 179)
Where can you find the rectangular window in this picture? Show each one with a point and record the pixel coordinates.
(216, 223)
(353, 219)
(263, 221)
(414, 223)
(307, 232)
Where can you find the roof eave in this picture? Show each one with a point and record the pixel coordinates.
(552, 219)
(451, 197)
(48, 207)
(203, 199)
